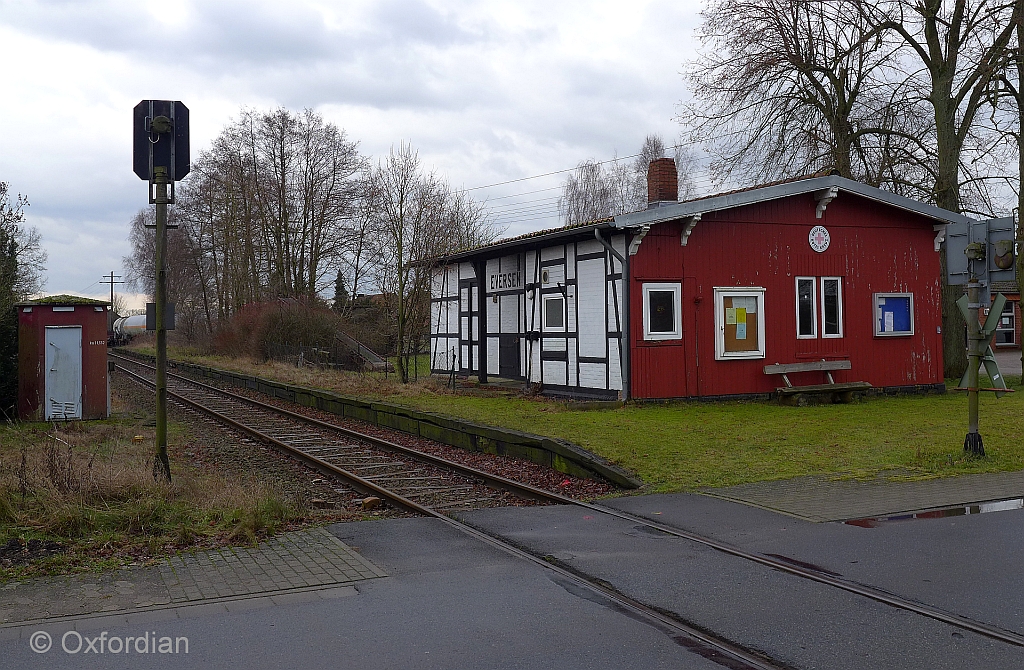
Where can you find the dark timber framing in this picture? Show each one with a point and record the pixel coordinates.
(588, 355)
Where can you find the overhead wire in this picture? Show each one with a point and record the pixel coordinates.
(520, 210)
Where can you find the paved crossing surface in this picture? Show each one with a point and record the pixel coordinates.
(301, 560)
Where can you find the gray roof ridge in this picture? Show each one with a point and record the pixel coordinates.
(686, 208)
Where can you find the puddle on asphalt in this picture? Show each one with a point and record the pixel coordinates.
(959, 510)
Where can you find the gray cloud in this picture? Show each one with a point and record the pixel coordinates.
(485, 92)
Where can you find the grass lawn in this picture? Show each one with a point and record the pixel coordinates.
(685, 445)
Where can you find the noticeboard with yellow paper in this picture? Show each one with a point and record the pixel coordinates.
(741, 327)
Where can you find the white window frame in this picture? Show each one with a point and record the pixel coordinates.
(757, 292)
(839, 316)
(544, 312)
(876, 313)
(1009, 310)
(814, 308)
(677, 292)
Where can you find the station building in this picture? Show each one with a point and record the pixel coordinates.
(694, 299)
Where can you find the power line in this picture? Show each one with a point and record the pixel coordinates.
(532, 218)
(548, 174)
(516, 195)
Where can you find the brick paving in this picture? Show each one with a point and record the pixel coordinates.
(294, 561)
(822, 499)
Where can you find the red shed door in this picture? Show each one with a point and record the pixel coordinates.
(63, 386)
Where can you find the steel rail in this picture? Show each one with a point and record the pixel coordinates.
(492, 480)
(747, 660)
(737, 655)
(841, 583)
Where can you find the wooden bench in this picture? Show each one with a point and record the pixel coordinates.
(841, 391)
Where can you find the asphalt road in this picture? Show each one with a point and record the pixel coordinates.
(452, 602)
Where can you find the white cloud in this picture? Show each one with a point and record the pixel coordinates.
(487, 91)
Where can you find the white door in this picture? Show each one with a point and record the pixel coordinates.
(63, 386)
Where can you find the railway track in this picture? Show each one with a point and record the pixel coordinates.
(391, 480)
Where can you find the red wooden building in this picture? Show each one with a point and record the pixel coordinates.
(717, 288)
(62, 359)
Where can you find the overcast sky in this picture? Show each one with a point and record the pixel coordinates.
(486, 91)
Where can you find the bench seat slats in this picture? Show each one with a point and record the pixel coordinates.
(824, 388)
(813, 366)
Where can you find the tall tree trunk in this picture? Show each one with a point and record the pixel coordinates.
(947, 196)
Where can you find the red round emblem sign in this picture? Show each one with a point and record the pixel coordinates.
(818, 238)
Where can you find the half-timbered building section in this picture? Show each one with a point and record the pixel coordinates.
(454, 319)
(553, 311)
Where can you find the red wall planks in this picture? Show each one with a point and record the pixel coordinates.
(875, 248)
(32, 356)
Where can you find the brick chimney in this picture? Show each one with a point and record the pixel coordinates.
(662, 181)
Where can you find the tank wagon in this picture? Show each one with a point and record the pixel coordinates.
(125, 328)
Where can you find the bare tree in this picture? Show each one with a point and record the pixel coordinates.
(958, 44)
(595, 191)
(417, 217)
(587, 195)
(789, 87)
(267, 211)
(22, 262)
(1005, 96)
(22, 247)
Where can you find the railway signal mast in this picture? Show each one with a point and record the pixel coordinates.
(980, 253)
(161, 157)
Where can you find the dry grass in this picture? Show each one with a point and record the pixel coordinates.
(88, 487)
(365, 385)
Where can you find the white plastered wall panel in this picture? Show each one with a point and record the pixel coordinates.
(556, 275)
(492, 356)
(532, 319)
(551, 253)
(592, 375)
(444, 318)
(555, 373)
(614, 366)
(555, 344)
(593, 332)
(509, 320)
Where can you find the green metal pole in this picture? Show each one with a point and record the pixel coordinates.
(161, 464)
(972, 442)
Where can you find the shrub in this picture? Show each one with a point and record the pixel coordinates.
(255, 327)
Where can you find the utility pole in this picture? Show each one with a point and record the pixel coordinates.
(111, 281)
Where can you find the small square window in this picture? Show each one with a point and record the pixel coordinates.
(554, 312)
(662, 319)
(894, 314)
(739, 323)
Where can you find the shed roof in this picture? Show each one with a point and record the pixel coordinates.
(798, 186)
(669, 211)
(63, 299)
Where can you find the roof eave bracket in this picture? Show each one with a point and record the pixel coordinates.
(940, 235)
(634, 244)
(823, 197)
(689, 223)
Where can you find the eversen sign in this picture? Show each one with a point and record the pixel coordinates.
(500, 281)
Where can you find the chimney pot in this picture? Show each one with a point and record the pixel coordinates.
(662, 181)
